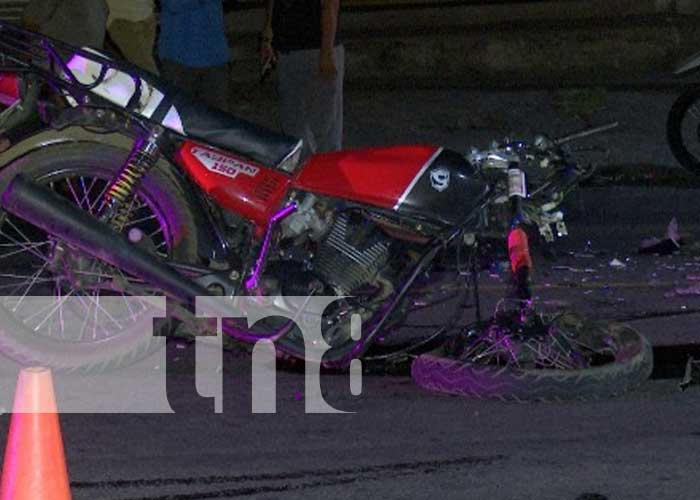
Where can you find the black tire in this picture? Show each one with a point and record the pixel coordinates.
(685, 149)
(452, 376)
(165, 193)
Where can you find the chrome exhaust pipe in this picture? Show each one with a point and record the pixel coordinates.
(57, 216)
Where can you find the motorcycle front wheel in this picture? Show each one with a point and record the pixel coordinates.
(588, 360)
(54, 299)
(683, 129)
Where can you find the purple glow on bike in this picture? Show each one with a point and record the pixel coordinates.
(252, 281)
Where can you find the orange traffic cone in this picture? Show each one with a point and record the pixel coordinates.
(35, 465)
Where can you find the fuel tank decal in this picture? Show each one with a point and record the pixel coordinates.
(224, 165)
(237, 184)
(447, 190)
(420, 173)
(440, 179)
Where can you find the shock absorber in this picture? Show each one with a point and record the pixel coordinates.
(142, 158)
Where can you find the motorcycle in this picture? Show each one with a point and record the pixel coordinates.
(124, 186)
(683, 121)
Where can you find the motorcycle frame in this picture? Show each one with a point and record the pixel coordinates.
(93, 111)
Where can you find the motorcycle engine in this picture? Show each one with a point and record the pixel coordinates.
(349, 249)
(352, 254)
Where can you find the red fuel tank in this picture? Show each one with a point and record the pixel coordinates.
(9, 88)
(241, 186)
(375, 176)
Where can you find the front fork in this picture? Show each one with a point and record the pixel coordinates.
(520, 263)
(518, 244)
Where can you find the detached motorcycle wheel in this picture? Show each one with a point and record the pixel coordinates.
(29, 267)
(632, 366)
(683, 129)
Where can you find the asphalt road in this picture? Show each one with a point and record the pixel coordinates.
(401, 442)
(404, 442)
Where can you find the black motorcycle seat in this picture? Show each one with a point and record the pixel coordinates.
(229, 132)
(115, 81)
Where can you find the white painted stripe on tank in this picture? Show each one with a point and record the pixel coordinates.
(410, 187)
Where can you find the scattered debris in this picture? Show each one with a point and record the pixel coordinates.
(666, 246)
(588, 252)
(566, 268)
(692, 374)
(584, 255)
(617, 264)
(691, 290)
(573, 269)
(672, 231)
(499, 268)
(658, 247)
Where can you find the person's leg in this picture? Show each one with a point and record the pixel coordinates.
(213, 87)
(326, 109)
(136, 41)
(294, 74)
(179, 76)
(334, 139)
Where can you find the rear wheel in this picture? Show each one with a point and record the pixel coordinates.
(90, 317)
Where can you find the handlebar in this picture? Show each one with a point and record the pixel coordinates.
(543, 167)
(586, 133)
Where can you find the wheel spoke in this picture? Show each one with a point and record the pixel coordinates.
(76, 198)
(54, 306)
(25, 248)
(87, 191)
(100, 199)
(87, 315)
(157, 231)
(24, 244)
(31, 284)
(129, 211)
(141, 220)
(89, 302)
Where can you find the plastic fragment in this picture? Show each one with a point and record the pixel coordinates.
(691, 290)
(663, 246)
(617, 264)
(692, 374)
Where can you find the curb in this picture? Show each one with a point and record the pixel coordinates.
(541, 53)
